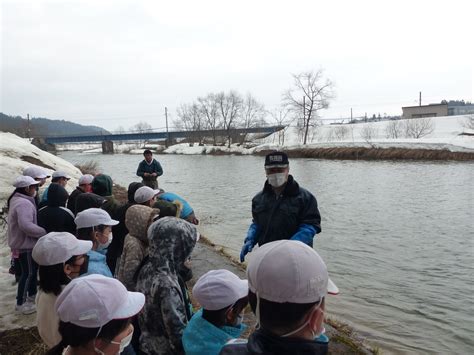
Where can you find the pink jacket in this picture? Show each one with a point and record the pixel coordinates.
(23, 230)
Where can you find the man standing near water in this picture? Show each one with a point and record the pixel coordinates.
(149, 169)
(283, 209)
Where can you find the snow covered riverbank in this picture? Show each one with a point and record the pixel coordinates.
(448, 134)
(16, 154)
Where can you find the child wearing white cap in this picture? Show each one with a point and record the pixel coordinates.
(23, 232)
(95, 316)
(95, 224)
(61, 257)
(58, 177)
(223, 297)
(288, 283)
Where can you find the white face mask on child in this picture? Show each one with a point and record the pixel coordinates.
(105, 245)
(123, 343)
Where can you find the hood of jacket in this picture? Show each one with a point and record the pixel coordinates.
(102, 185)
(88, 200)
(137, 220)
(171, 242)
(57, 196)
(132, 188)
(263, 342)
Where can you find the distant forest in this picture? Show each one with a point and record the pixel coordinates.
(41, 127)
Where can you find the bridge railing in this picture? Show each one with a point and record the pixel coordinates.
(141, 136)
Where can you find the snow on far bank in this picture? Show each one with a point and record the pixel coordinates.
(445, 136)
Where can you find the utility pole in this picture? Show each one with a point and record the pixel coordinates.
(420, 98)
(304, 121)
(28, 126)
(351, 114)
(167, 133)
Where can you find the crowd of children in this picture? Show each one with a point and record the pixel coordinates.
(113, 276)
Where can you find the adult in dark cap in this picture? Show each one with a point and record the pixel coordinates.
(149, 169)
(283, 209)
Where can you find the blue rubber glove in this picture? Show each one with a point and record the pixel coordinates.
(305, 234)
(247, 248)
(249, 242)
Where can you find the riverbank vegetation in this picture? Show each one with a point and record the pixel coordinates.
(361, 153)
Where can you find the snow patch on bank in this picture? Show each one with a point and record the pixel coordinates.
(14, 155)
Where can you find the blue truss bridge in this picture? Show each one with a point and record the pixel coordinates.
(147, 136)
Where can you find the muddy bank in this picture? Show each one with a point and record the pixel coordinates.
(362, 153)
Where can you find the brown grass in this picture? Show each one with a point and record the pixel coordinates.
(88, 167)
(120, 193)
(361, 153)
(21, 342)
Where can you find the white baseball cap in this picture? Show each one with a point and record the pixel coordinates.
(289, 271)
(35, 172)
(86, 179)
(144, 194)
(59, 174)
(58, 247)
(218, 289)
(94, 217)
(94, 300)
(24, 181)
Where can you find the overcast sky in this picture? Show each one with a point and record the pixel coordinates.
(115, 63)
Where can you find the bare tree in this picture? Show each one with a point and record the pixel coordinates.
(191, 118)
(210, 109)
(120, 130)
(394, 129)
(419, 127)
(368, 132)
(230, 109)
(341, 132)
(310, 94)
(141, 127)
(253, 114)
(281, 117)
(467, 122)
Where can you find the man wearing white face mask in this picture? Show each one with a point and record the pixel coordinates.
(288, 283)
(95, 224)
(283, 209)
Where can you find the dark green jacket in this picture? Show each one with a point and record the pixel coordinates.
(153, 167)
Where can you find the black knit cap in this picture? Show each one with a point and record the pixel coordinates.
(276, 159)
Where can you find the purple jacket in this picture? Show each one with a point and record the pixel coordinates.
(23, 230)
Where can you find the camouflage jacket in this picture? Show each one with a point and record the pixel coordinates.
(137, 220)
(163, 319)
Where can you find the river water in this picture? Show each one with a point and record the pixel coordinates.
(397, 236)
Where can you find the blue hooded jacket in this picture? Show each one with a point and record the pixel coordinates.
(97, 264)
(202, 337)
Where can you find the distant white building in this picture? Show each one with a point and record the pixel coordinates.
(451, 108)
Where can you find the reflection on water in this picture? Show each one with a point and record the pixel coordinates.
(397, 236)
